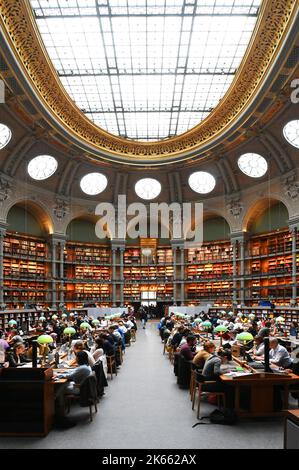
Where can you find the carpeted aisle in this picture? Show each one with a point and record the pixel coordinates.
(144, 409)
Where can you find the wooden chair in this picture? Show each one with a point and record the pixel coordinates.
(120, 353)
(133, 335)
(199, 382)
(87, 395)
(111, 366)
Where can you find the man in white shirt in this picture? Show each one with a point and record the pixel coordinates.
(278, 355)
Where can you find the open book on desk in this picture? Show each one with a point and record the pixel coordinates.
(237, 374)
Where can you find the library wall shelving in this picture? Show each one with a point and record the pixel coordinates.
(86, 273)
(26, 271)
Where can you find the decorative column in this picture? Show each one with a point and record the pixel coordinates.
(242, 244)
(174, 260)
(56, 245)
(235, 252)
(113, 248)
(2, 235)
(121, 274)
(61, 270)
(182, 248)
(52, 250)
(293, 231)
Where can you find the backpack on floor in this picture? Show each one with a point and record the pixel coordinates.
(225, 416)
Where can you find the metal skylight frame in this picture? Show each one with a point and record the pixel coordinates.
(146, 78)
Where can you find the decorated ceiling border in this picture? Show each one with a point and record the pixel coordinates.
(21, 31)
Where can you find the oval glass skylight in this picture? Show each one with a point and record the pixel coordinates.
(5, 135)
(291, 132)
(93, 183)
(253, 164)
(42, 167)
(148, 188)
(202, 182)
(135, 68)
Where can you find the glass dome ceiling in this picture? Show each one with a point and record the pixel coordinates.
(149, 69)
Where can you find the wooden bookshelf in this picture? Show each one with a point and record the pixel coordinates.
(87, 253)
(209, 271)
(209, 290)
(270, 266)
(26, 273)
(220, 250)
(86, 292)
(18, 245)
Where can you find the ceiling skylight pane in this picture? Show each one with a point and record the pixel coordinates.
(169, 61)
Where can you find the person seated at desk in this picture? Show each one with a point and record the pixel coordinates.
(3, 343)
(177, 337)
(77, 375)
(202, 355)
(278, 355)
(79, 347)
(265, 330)
(212, 371)
(188, 350)
(17, 356)
(74, 377)
(258, 348)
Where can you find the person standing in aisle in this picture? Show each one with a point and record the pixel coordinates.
(143, 317)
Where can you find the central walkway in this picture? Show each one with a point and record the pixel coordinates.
(144, 409)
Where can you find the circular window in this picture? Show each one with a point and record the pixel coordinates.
(148, 188)
(291, 132)
(253, 164)
(93, 183)
(5, 135)
(42, 167)
(202, 182)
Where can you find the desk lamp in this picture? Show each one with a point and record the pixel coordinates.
(44, 340)
(206, 325)
(70, 331)
(220, 329)
(64, 315)
(95, 322)
(42, 319)
(244, 337)
(85, 326)
(54, 317)
(12, 323)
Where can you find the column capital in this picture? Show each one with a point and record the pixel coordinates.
(177, 243)
(56, 238)
(240, 237)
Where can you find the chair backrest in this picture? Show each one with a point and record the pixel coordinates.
(88, 390)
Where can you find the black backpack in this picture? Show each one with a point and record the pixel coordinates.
(225, 416)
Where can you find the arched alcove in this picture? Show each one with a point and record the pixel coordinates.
(267, 215)
(30, 218)
(82, 229)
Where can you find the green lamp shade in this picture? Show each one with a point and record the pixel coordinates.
(12, 322)
(198, 320)
(220, 329)
(95, 322)
(42, 319)
(251, 315)
(54, 317)
(45, 339)
(85, 326)
(244, 337)
(69, 331)
(206, 324)
(279, 320)
(64, 315)
(240, 314)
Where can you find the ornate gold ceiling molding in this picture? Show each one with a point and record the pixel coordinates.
(21, 32)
